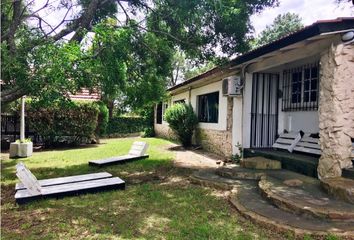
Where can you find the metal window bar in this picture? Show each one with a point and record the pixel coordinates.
(303, 100)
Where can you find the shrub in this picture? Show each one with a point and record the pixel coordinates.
(103, 117)
(123, 125)
(182, 121)
(148, 132)
(67, 122)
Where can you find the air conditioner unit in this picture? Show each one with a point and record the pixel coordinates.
(232, 86)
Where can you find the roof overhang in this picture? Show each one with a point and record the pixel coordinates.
(316, 32)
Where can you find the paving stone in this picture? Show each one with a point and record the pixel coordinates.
(250, 204)
(237, 172)
(341, 188)
(307, 199)
(260, 163)
(249, 201)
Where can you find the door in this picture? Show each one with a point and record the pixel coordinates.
(264, 109)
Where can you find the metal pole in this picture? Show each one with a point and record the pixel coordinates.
(22, 127)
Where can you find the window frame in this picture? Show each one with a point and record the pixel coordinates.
(288, 84)
(202, 120)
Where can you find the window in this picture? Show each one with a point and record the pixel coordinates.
(165, 106)
(179, 101)
(159, 113)
(208, 107)
(300, 88)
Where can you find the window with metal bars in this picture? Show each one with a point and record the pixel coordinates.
(300, 88)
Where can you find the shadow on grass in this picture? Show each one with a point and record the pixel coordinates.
(146, 210)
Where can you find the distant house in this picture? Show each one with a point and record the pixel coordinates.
(85, 94)
(301, 83)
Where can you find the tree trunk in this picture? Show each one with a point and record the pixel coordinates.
(110, 106)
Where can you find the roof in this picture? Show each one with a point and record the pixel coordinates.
(317, 28)
(85, 94)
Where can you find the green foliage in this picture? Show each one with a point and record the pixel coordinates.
(102, 121)
(236, 158)
(132, 58)
(124, 125)
(26, 140)
(182, 121)
(281, 26)
(197, 70)
(203, 24)
(148, 132)
(67, 122)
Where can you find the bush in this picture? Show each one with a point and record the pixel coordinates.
(123, 125)
(148, 132)
(103, 117)
(182, 121)
(67, 122)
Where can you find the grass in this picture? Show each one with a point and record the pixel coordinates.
(158, 203)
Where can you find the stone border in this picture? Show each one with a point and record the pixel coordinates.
(292, 206)
(229, 173)
(261, 220)
(282, 228)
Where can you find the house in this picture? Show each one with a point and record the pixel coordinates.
(301, 82)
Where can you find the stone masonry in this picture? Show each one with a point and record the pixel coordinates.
(215, 141)
(336, 110)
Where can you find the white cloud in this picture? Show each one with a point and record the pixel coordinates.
(309, 10)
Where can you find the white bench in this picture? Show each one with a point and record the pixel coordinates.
(30, 188)
(287, 141)
(137, 151)
(308, 144)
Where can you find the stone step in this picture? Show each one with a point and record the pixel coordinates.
(251, 205)
(246, 198)
(208, 178)
(260, 163)
(340, 188)
(240, 173)
(290, 193)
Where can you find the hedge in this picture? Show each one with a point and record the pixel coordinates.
(124, 125)
(68, 123)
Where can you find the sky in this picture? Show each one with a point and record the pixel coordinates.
(309, 10)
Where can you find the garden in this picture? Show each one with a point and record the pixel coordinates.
(159, 202)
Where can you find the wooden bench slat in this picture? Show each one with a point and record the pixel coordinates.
(23, 196)
(285, 141)
(116, 160)
(70, 179)
(310, 140)
(309, 145)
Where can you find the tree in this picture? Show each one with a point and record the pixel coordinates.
(281, 26)
(49, 60)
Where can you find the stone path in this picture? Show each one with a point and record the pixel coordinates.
(196, 159)
(278, 199)
(271, 200)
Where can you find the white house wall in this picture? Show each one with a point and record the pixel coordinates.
(213, 87)
(246, 125)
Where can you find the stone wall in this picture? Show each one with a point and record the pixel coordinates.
(215, 141)
(336, 110)
(164, 131)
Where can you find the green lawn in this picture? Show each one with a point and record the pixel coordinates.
(158, 203)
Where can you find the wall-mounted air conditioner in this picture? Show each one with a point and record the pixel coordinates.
(232, 86)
